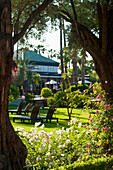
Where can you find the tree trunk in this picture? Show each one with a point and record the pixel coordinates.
(101, 49)
(64, 35)
(12, 151)
(75, 76)
(83, 69)
(61, 52)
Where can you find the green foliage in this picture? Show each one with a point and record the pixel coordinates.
(46, 92)
(60, 98)
(73, 88)
(80, 146)
(13, 93)
(29, 97)
(23, 72)
(81, 87)
(36, 79)
(93, 164)
(51, 101)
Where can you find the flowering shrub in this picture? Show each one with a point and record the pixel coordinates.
(77, 143)
(65, 146)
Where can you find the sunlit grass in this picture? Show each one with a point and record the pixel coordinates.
(60, 113)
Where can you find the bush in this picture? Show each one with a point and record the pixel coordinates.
(73, 88)
(93, 164)
(51, 101)
(81, 87)
(68, 149)
(46, 92)
(60, 98)
(13, 93)
(29, 97)
(80, 146)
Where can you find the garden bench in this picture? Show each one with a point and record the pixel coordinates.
(31, 118)
(49, 116)
(18, 110)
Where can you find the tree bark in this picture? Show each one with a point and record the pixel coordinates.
(12, 151)
(102, 52)
(61, 53)
(75, 76)
(83, 69)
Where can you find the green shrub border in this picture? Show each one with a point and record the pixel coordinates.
(92, 164)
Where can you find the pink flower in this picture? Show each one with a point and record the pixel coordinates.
(103, 128)
(97, 129)
(89, 151)
(105, 103)
(85, 125)
(88, 144)
(68, 123)
(112, 119)
(106, 128)
(91, 120)
(99, 96)
(109, 108)
(90, 137)
(89, 116)
(105, 120)
(97, 111)
(11, 79)
(106, 107)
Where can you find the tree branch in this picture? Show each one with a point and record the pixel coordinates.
(30, 19)
(66, 16)
(87, 39)
(99, 12)
(73, 7)
(104, 30)
(17, 20)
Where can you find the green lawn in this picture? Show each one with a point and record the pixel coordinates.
(60, 113)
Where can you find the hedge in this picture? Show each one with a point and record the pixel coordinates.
(92, 164)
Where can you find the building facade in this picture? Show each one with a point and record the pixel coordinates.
(46, 67)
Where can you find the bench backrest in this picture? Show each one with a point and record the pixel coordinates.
(28, 106)
(50, 112)
(35, 112)
(20, 106)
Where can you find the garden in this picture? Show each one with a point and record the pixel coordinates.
(83, 138)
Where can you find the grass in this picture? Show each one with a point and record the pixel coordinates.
(60, 113)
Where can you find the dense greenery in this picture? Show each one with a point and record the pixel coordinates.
(78, 143)
(46, 92)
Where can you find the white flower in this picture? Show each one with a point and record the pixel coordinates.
(62, 154)
(68, 141)
(90, 130)
(17, 128)
(30, 140)
(37, 124)
(48, 153)
(41, 147)
(74, 121)
(42, 127)
(32, 129)
(80, 124)
(78, 134)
